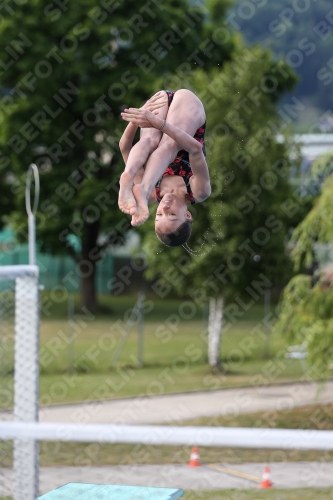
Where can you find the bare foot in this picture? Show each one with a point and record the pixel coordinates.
(126, 200)
(142, 212)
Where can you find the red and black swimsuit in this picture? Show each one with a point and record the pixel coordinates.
(181, 164)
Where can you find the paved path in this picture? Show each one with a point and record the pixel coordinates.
(173, 407)
(283, 475)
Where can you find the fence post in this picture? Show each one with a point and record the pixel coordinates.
(26, 455)
(267, 310)
(70, 333)
(141, 298)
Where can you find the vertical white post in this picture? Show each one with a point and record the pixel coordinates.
(32, 239)
(26, 461)
(216, 307)
(32, 210)
(71, 334)
(141, 298)
(267, 311)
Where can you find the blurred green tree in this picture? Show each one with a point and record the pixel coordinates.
(6, 201)
(316, 228)
(67, 71)
(306, 304)
(237, 247)
(318, 172)
(305, 318)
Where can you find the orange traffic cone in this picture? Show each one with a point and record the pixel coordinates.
(194, 458)
(266, 478)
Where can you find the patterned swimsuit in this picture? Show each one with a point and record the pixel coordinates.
(181, 164)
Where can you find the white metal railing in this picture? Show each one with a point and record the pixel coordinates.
(234, 437)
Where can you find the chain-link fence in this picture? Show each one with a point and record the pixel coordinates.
(7, 338)
(19, 327)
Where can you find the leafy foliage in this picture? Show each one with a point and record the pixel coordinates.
(306, 316)
(316, 227)
(307, 301)
(318, 172)
(6, 199)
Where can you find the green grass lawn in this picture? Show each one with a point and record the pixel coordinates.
(292, 494)
(175, 354)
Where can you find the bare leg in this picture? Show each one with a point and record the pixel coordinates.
(163, 155)
(139, 152)
(138, 156)
(187, 113)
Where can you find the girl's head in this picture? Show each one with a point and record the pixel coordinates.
(173, 222)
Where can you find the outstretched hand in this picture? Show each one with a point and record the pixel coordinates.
(142, 117)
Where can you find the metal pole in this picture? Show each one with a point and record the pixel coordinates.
(204, 333)
(141, 298)
(32, 210)
(26, 378)
(267, 310)
(32, 239)
(125, 333)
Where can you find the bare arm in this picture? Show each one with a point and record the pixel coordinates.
(183, 139)
(200, 181)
